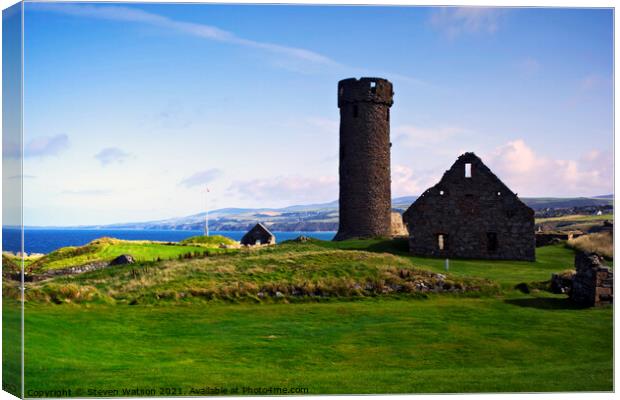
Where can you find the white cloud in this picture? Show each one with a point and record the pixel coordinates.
(407, 182)
(531, 174)
(455, 21)
(288, 190)
(403, 182)
(202, 177)
(111, 155)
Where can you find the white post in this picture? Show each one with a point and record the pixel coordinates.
(447, 264)
(207, 212)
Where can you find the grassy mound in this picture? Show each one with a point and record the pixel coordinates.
(601, 243)
(285, 273)
(210, 241)
(10, 264)
(107, 249)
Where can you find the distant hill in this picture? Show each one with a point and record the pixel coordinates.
(540, 203)
(314, 217)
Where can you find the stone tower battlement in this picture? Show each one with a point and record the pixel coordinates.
(365, 185)
(371, 90)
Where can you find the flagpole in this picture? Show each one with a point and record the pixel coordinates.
(207, 212)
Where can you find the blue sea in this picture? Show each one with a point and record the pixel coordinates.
(46, 240)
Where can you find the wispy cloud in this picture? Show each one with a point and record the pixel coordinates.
(455, 21)
(45, 146)
(294, 58)
(201, 177)
(87, 192)
(414, 136)
(111, 155)
(593, 81)
(129, 14)
(288, 189)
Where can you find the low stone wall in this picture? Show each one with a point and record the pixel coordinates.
(547, 238)
(69, 271)
(593, 281)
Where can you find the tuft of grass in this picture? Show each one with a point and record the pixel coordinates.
(210, 241)
(601, 243)
(10, 264)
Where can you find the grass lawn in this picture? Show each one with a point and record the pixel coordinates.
(503, 341)
(442, 344)
(549, 259)
(576, 217)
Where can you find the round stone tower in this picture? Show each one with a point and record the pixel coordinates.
(365, 194)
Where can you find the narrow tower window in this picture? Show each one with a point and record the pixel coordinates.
(373, 87)
(355, 111)
(387, 118)
(467, 170)
(491, 242)
(441, 241)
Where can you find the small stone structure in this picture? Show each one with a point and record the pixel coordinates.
(365, 192)
(471, 213)
(593, 281)
(258, 235)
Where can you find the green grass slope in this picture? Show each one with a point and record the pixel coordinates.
(289, 272)
(106, 249)
(498, 341)
(440, 345)
(211, 241)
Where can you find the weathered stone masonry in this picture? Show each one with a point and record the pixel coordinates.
(470, 213)
(592, 282)
(365, 192)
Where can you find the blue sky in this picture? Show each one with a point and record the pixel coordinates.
(130, 110)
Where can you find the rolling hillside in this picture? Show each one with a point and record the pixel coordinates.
(315, 217)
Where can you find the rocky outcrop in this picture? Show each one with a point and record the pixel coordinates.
(122, 260)
(562, 283)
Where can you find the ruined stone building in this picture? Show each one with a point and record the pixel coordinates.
(365, 192)
(470, 213)
(593, 282)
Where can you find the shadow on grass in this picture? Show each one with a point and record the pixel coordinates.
(398, 246)
(546, 303)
